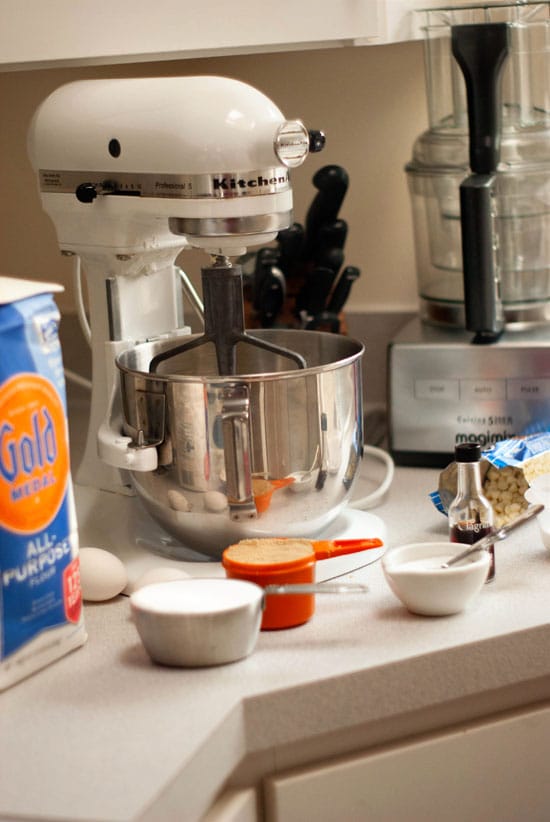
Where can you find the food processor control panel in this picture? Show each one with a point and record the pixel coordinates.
(445, 394)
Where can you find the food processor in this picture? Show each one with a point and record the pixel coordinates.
(194, 440)
(475, 364)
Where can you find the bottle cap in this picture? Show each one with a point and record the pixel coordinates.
(468, 452)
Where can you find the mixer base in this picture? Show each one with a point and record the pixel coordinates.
(121, 525)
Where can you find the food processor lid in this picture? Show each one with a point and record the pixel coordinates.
(524, 89)
(447, 150)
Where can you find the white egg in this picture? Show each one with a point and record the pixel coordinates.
(162, 573)
(215, 501)
(102, 574)
(178, 501)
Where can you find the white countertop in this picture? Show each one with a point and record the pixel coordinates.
(104, 734)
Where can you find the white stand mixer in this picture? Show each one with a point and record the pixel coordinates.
(131, 172)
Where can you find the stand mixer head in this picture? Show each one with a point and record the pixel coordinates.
(132, 163)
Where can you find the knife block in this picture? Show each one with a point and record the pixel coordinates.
(287, 317)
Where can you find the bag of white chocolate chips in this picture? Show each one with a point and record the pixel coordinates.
(507, 470)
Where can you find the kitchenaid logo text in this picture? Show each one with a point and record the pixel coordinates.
(221, 184)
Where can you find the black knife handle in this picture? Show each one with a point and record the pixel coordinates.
(342, 289)
(291, 241)
(329, 250)
(272, 296)
(331, 183)
(333, 235)
(332, 258)
(332, 179)
(312, 298)
(326, 320)
(265, 259)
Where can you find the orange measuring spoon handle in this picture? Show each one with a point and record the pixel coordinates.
(324, 548)
(262, 500)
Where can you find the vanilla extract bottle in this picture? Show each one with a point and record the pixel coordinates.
(470, 513)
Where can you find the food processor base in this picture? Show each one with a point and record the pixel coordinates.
(443, 390)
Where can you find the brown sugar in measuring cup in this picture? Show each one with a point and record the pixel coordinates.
(274, 562)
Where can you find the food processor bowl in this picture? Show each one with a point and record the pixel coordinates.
(521, 221)
(521, 190)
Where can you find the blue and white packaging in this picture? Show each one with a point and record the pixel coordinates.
(40, 595)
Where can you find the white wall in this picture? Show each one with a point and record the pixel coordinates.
(369, 100)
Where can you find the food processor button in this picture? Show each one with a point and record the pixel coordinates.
(482, 389)
(522, 389)
(436, 389)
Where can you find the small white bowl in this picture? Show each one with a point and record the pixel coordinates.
(541, 485)
(543, 520)
(540, 493)
(198, 622)
(414, 574)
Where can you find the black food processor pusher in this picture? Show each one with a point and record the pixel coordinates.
(480, 50)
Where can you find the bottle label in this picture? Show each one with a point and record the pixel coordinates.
(469, 531)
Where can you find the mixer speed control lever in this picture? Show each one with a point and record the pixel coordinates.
(87, 192)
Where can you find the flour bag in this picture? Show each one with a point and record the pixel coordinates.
(40, 594)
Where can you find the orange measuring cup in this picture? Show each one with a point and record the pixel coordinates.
(277, 561)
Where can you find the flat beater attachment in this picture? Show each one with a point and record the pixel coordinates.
(222, 290)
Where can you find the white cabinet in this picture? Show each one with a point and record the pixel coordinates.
(37, 34)
(234, 805)
(493, 771)
(101, 31)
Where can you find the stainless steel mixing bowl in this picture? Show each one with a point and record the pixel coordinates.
(272, 451)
